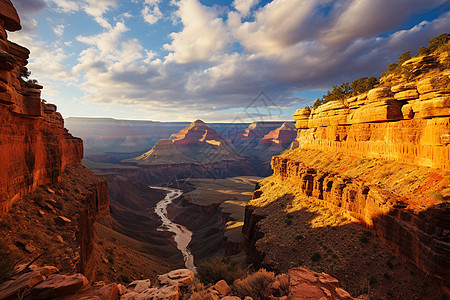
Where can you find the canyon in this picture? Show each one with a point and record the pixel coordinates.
(380, 159)
(362, 193)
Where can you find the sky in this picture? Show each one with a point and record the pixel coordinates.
(216, 60)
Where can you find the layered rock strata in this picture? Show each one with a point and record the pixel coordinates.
(417, 235)
(408, 122)
(195, 144)
(367, 158)
(37, 150)
(283, 135)
(35, 146)
(195, 151)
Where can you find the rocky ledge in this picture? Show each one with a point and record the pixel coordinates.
(408, 122)
(33, 282)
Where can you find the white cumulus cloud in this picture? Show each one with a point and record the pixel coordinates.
(204, 35)
(151, 12)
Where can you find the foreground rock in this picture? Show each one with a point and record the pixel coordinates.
(167, 287)
(306, 284)
(43, 283)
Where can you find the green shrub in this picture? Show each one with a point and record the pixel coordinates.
(256, 285)
(299, 237)
(216, 269)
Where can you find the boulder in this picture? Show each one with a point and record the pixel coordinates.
(307, 284)
(170, 292)
(61, 221)
(223, 288)
(58, 286)
(47, 270)
(139, 285)
(407, 112)
(12, 288)
(108, 292)
(30, 248)
(180, 277)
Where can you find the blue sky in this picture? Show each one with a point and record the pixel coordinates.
(181, 60)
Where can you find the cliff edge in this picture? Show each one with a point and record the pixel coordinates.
(35, 146)
(380, 159)
(47, 198)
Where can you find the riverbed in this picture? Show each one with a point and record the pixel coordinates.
(183, 235)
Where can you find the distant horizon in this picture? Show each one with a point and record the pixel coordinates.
(154, 121)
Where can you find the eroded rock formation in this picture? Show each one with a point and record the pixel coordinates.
(380, 159)
(37, 150)
(408, 122)
(35, 146)
(196, 151)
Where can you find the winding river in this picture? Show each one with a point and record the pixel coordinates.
(183, 235)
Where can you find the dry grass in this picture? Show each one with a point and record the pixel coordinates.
(218, 268)
(332, 243)
(256, 285)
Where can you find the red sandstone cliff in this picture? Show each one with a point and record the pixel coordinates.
(36, 150)
(35, 146)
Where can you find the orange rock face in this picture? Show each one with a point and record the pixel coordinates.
(283, 135)
(408, 123)
(307, 284)
(420, 238)
(35, 146)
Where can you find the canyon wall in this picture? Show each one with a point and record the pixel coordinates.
(356, 156)
(417, 237)
(408, 122)
(35, 146)
(36, 150)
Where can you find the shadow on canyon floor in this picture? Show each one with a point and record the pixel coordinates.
(292, 232)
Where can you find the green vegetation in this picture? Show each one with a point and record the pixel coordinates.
(436, 44)
(346, 90)
(219, 268)
(364, 238)
(364, 84)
